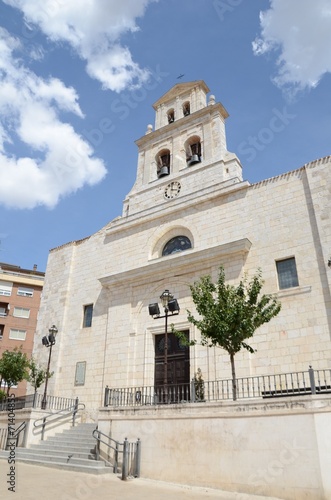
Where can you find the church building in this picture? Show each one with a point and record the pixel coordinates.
(188, 212)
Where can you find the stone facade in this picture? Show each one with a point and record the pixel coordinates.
(278, 449)
(120, 269)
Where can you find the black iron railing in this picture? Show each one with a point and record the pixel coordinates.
(35, 401)
(262, 386)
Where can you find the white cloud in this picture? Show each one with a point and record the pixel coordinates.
(301, 31)
(93, 28)
(62, 161)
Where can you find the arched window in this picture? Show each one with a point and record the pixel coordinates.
(193, 150)
(171, 115)
(186, 108)
(176, 244)
(163, 163)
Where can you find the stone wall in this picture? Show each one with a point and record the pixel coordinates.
(276, 448)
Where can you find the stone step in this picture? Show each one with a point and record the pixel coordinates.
(76, 431)
(60, 453)
(82, 427)
(71, 439)
(70, 458)
(71, 449)
(89, 469)
(65, 448)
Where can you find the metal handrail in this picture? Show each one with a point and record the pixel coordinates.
(116, 448)
(125, 452)
(73, 409)
(15, 434)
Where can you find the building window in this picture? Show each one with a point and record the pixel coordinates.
(176, 244)
(21, 312)
(4, 308)
(186, 108)
(171, 116)
(5, 288)
(287, 273)
(17, 334)
(24, 291)
(2, 327)
(163, 163)
(193, 150)
(4, 385)
(88, 313)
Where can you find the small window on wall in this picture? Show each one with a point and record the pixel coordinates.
(2, 327)
(17, 334)
(177, 244)
(193, 150)
(163, 163)
(5, 288)
(4, 308)
(171, 116)
(24, 291)
(287, 273)
(88, 313)
(186, 108)
(21, 312)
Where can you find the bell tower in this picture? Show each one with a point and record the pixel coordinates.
(186, 152)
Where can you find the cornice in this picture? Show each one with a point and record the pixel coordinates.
(177, 262)
(181, 124)
(180, 88)
(176, 205)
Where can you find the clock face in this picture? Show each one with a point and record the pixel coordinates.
(172, 190)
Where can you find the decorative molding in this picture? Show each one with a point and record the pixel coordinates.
(177, 261)
(293, 291)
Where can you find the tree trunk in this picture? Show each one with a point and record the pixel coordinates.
(234, 382)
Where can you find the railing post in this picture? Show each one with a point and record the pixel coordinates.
(192, 391)
(97, 448)
(106, 397)
(43, 429)
(74, 412)
(125, 465)
(312, 379)
(138, 457)
(115, 469)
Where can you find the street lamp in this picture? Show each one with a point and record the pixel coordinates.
(48, 342)
(171, 305)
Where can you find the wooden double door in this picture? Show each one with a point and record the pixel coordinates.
(178, 370)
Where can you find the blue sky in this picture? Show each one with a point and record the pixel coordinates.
(77, 84)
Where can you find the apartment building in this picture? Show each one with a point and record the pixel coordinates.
(20, 294)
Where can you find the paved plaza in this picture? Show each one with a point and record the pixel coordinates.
(34, 482)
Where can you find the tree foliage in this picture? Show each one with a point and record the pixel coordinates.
(37, 375)
(14, 367)
(229, 315)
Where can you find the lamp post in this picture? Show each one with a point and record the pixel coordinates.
(169, 304)
(48, 342)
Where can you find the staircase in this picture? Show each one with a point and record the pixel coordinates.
(72, 449)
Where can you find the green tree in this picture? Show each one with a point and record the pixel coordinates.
(37, 375)
(14, 367)
(230, 314)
